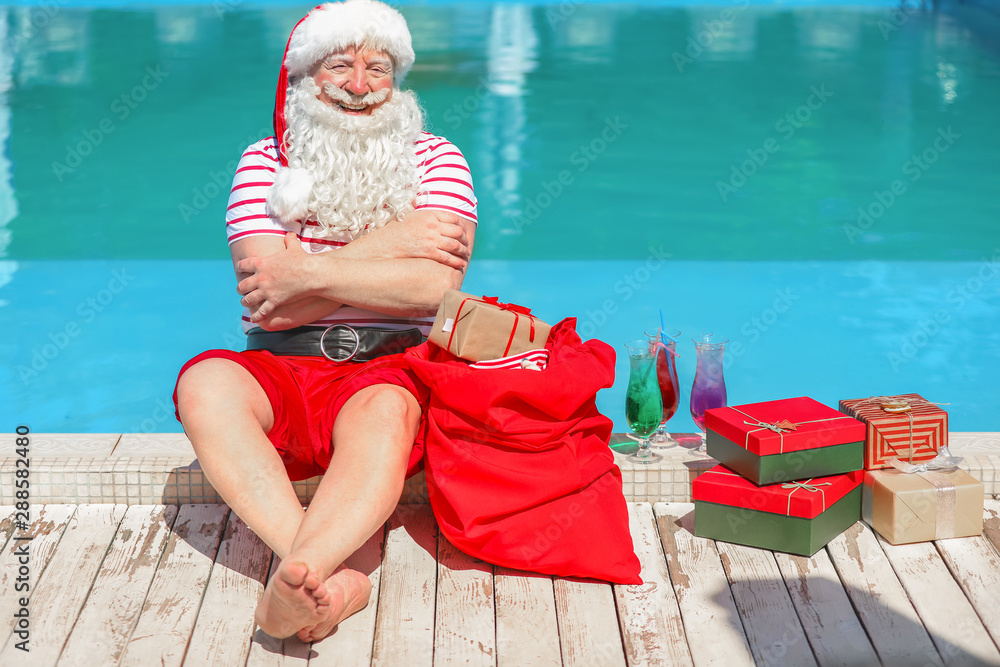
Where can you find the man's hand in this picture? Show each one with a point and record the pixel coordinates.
(425, 234)
(275, 280)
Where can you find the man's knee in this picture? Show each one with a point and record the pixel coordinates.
(385, 402)
(213, 385)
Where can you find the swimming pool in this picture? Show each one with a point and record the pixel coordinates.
(815, 183)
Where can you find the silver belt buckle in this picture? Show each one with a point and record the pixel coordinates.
(357, 343)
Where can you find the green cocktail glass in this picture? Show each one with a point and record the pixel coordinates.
(643, 403)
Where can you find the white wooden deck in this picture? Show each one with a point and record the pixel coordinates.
(154, 585)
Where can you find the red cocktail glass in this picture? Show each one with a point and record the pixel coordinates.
(664, 343)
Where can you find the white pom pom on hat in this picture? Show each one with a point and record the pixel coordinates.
(288, 198)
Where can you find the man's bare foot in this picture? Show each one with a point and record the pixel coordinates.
(349, 591)
(294, 599)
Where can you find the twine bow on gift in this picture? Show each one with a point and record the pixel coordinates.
(511, 307)
(779, 427)
(901, 405)
(805, 486)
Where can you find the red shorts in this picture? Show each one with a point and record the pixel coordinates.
(307, 393)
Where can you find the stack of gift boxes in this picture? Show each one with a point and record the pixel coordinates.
(793, 474)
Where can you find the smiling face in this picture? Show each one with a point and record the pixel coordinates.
(356, 81)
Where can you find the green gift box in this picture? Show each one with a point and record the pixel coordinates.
(795, 517)
(789, 439)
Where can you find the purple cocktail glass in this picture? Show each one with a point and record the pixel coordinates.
(709, 388)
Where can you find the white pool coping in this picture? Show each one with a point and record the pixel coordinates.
(161, 468)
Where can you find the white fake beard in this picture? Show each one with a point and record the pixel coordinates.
(364, 168)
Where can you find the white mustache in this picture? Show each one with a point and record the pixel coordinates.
(368, 99)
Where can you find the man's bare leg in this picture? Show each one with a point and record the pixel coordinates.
(226, 415)
(372, 439)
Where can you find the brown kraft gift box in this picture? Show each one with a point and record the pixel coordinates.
(482, 328)
(919, 507)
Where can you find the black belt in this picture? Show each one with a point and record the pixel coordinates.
(339, 342)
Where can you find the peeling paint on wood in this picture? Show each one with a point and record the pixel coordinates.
(527, 629)
(171, 607)
(648, 615)
(835, 634)
(63, 590)
(114, 603)
(465, 621)
(711, 622)
(892, 623)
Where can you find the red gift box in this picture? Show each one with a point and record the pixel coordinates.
(912, 435)
(787, 425)
(797, 517)
(779, 441)
(805, 499)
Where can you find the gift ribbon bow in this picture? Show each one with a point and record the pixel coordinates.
(901, 405)
(805, 486)
(944, 461)
(780, 428)
(495, 301)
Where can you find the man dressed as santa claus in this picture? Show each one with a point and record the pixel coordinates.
(346, 228)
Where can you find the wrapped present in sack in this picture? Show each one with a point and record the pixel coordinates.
(518, 468)
(922, 502)
(906, 427)
(480, 328)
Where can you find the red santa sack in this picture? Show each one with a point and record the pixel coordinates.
(517, 462)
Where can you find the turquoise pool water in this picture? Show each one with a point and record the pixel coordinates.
(818, 184)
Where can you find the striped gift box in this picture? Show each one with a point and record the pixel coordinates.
(915, 435)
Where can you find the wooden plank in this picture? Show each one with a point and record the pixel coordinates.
(976, 567)
(834, 631)
(769, 619)
(588, 623)
(6, 523)
(171, 608)
(268, 651)
(952, 623)
(404, 627)
(991, 522)
(44, 534)
(225, 621)
(712, 623)
(59, 596)
(350, 645)
(648, 615)
(105, 623)
(892, 623)
(464, 619)
(527, 628)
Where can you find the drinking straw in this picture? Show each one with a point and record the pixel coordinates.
(664, 326)
(660, 343)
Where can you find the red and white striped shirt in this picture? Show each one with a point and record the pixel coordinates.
(445, 183)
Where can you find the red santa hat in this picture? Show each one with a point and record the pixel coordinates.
(328, 28)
